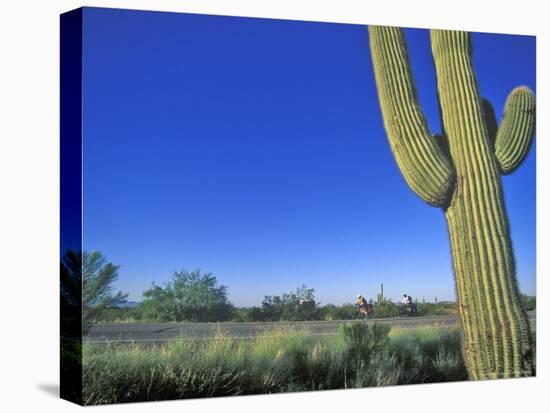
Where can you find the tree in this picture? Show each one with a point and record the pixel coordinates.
(190, 296)
(97, 276)
(71, 295)
(294, 306)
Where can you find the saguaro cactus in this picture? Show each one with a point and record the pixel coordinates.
(460, 172)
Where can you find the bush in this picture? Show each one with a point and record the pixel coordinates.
(386, 309)
(363, 341)
(190, 296)
(343, 312)
(429, 355)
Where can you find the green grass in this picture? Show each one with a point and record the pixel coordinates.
(428, 355)
(279, 360)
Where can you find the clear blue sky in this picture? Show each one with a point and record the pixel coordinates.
(254, 149)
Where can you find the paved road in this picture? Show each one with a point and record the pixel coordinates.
(162, 332)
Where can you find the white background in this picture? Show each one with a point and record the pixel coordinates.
(29, 206)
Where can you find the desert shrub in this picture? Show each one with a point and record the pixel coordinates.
(386, 309)
(343, 312)
(363, 340)
(189, 296)
(382, 369)
(278, 357)
(429, 355)
(281, 359)
(367, 359)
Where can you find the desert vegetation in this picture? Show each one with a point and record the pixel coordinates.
(283, 358)
(189, 296)
(86, 290)
(265, 313)
(198, 297)
(279, 360)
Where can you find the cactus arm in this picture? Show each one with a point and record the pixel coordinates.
(516, 130)
(421, 161)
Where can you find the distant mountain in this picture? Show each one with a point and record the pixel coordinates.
(129, 304)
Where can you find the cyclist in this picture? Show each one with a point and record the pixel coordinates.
(408, 304)
(364, 308)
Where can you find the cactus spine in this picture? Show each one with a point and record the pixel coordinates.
(460, 172)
